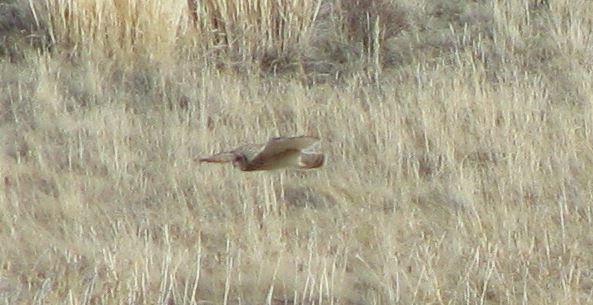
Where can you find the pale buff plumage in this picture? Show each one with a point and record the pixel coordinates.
(277, 153)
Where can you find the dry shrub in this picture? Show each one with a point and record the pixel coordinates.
(120, 29)
(269, 34)
(372, 22)
(19, 29)
(239, 31)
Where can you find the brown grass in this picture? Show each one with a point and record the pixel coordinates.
(458, 139)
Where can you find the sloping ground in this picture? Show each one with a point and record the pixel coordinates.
(458, 140)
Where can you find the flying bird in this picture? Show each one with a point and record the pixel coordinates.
(277, 153)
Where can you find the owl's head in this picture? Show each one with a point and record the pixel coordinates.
(240, 161)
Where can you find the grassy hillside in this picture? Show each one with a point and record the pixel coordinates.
(458, 137)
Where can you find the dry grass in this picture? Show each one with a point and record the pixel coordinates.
(458, 136)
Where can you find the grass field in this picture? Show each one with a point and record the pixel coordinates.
(458, 139)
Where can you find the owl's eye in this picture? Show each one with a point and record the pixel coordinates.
(239, 159)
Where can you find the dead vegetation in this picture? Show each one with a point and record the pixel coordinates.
(458, 136)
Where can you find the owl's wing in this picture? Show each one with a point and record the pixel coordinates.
(277, 147)
(281, 144)
(218, 158)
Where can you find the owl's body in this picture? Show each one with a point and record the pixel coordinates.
(277, 153)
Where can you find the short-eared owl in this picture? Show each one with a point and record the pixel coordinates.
(278, 153)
